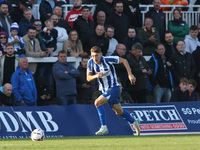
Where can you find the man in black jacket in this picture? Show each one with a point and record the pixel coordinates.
(5, 20)
(6, 95)
(98, 39)
(84, 26)
(183, 63)
(169, 45)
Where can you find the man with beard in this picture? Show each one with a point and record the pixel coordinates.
(8, 64)
(75, 12)
(62, 35)
(61, 22)
(32, 46)
(5, 20)
(109, 33)
(169, 44)
(119, 21)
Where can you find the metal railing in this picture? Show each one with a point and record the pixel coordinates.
(190, 16)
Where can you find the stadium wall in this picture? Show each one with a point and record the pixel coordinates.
(83, 120)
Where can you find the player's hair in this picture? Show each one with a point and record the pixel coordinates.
(183, 80)
(137, 46)
(192, 82)
(193, 28)
(95, 49)
(9, 44)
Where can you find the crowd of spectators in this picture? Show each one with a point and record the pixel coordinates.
(172, 73)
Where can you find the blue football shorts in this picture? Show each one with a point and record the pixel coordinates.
(112, 95)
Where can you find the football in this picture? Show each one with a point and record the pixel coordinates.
(37, 135)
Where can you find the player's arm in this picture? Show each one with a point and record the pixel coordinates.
(91, 77)
(131, 77)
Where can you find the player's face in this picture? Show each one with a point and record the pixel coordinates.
(190, 88)
(183, 86)
(194, 33)
(96, 57)
(9, 50)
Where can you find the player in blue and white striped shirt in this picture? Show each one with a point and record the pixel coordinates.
(102, 69)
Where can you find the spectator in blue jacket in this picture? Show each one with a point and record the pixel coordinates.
(65, 76)
(24, 88)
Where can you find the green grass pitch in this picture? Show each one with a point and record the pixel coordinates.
(161, 142)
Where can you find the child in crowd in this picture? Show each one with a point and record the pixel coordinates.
(50, 37)
(181, 94)
(16, 40)
(191, 87)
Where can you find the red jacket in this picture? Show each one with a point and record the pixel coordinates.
(73, 15)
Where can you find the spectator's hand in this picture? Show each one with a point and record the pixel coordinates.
(43, 54)
(144, 71)
(16, 40)
(168, 64)
(48, 31)
(22, 101)
(132, 78)
(50, 50)
(157, 85)
(149, 72)
(85, 85)
(82, 54)
(152, 38)
(66, 72)
(43, 97)
(48, 96)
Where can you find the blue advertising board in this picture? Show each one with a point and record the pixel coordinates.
(83, 120)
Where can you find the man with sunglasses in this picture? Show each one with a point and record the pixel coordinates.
(38, 25)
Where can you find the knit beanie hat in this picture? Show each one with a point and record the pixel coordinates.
(14, 26)
(3, 33)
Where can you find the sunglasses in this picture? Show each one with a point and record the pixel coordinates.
(38, 24)
(3, 37)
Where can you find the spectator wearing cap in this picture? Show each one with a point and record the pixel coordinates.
(17, 14)
(5, 19)
(3, 41)
(16, 40)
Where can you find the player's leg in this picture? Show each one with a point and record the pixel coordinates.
(125, 114)
(99, 102)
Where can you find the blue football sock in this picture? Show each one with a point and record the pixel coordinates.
(102, 115)
(127, 116)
